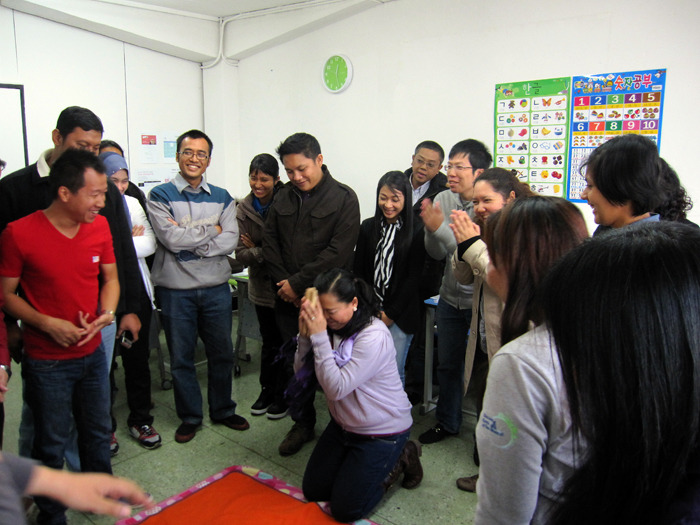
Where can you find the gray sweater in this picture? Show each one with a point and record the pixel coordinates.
(192, 254)
(524, 435)
(442, 243)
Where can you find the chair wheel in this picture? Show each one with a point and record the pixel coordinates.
(237, 371)
(166, 384)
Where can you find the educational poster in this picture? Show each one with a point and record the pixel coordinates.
(609, 105)
(532, 132)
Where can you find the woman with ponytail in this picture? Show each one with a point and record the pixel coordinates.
(365, 447)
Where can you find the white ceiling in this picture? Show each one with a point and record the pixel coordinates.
(220, 8)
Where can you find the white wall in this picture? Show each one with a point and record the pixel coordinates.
(423, 70)
(132, 90)
(427, 70)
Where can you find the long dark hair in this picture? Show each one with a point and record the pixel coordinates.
(524, 239)
(623, 312)
(345, 286)
(396, 181)
(677, 202)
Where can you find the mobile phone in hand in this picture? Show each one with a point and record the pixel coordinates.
(126, 339)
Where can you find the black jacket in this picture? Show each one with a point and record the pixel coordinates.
(306, 236)
(431, 277)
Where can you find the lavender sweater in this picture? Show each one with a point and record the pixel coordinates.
(365, 396)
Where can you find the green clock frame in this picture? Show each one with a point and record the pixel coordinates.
(337, 73)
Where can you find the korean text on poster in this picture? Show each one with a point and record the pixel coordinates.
(607, 106)
(532, 132)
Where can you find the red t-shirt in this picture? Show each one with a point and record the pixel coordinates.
(59, 276)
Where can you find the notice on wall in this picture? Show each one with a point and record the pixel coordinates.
(532, 132)
(607, 106)
(157, 160)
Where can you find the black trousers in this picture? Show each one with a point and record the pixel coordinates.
(273, 376)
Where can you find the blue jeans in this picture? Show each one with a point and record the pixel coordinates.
(58, 391)
(453, 332)
(207, 312)
(26, 426)
(348, 469)
(402, 342)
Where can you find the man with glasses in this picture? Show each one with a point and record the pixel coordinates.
(426, 178)
(195, 223)
(467, 160)
(426, 182)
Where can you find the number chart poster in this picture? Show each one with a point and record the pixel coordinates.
(610, 105)
(532, 132)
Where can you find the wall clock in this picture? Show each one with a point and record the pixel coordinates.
(337, 73)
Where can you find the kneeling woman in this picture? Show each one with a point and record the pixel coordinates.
(365, 446)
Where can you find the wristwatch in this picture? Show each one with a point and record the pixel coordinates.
(7, 369)
(110, 312)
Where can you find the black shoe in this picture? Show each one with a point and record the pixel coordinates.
(277, 410)
(262, 404)
(435, 434)
(234, 421)
(185, 432)
(295, 439)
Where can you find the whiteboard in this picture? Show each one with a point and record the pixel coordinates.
(13, 128)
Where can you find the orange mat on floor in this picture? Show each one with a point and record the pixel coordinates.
(240, 495)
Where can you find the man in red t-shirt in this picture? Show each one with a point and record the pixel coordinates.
(60, 256)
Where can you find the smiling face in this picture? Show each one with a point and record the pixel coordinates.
(461, 175)
(76, 139)
(605, 212)
(336, 312)
(121, 180)
(85, 204)
(262, 185)
(391, 202)
(487, 200)
(303, 172)
(193, 159)
(424, 166)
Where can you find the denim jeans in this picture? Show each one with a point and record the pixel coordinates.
(348, 469)
(453, 331)
(402, 342)
(58, 391)
(205, 312)
(26, 426)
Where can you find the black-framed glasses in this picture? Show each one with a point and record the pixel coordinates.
(189, 153)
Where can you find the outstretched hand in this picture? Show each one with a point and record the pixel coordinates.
(89, 492)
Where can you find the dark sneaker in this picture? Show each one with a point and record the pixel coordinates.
(277, 410)
(261, 404)
(234, 421)
(468, 484)
(435, 434)
(113, 445)
(146, 436)
(295, 439)
(413, 470)
(185, 432)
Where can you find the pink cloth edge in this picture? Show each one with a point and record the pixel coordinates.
(255, 473)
